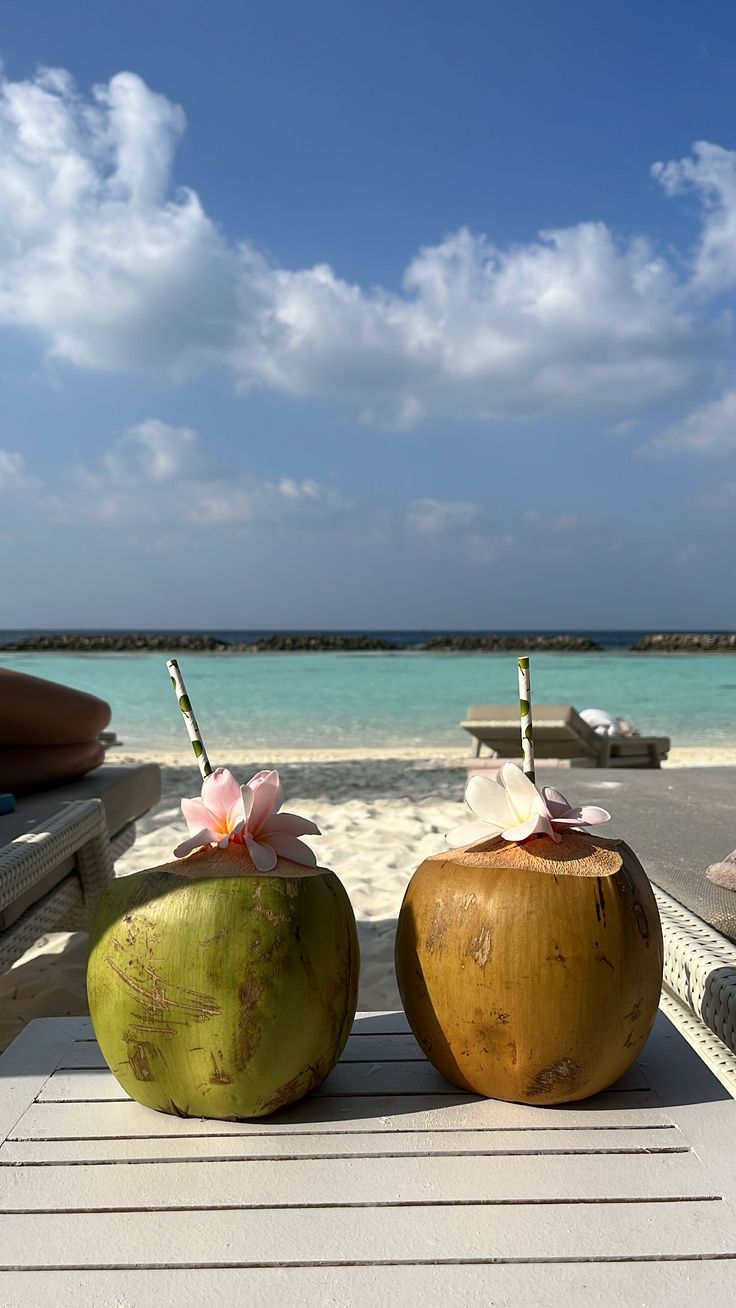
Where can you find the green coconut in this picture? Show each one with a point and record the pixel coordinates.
(219, 991)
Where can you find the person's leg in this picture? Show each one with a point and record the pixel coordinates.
(25, 768)
(34, 711)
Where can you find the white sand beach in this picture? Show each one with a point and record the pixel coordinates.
(379, 818)
(379, 814)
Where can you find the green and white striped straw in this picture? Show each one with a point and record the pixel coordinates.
(525, 707)
(200, 753)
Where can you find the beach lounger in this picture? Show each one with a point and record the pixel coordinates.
(560, 732)
(678, 822)
(58, 848)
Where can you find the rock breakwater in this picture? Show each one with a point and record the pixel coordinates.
(118, 642)
(195, 643)
(687, 642)
(280, 644)
(502, 644)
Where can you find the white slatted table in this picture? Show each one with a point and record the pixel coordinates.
(388, 1187)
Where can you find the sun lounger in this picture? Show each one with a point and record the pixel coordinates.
(678, 822)
(560, 732)
(58, 848)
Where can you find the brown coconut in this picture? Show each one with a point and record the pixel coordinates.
(531, 972)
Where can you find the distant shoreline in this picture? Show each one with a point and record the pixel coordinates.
(343, 642)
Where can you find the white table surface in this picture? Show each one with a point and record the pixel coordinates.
(388, 1186)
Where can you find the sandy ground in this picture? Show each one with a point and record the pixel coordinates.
(379, 815)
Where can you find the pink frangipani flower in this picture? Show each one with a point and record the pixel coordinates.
(229, 813)
(515, 810)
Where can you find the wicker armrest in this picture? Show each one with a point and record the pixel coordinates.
(700, 976)
(76, 835)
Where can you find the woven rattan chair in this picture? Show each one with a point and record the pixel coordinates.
(76, 838)
(700, 976)
(58, 848)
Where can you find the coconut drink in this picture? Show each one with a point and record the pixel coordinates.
(224, 983)
(529, 959)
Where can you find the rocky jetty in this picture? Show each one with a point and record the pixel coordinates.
(687, 642)
(503, 644)
(284, 644)
(194, 643)
(118, 642)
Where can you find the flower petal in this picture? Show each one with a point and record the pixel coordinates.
(523, 796)
(220, 791)
(267, 798)
(246, 794)
(556, 803)
(263, 856)
(591, 815)
(536, 824)
(588, 816)
(289, 823)
(289, 847)
(470, 832)
(196, 814)
(236, 819)
(200, 838)
(488, 801)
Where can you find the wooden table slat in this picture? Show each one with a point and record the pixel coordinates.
(337, 1144)
(378, 1113)
(351, 1078)
(680, 1284)
(362, 1180)
(346, 1235)
(393, 1047)
(29, 1062)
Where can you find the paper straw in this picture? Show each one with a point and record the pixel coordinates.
(525, 707)
(200, 753)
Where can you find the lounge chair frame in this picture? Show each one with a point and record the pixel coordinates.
(77, 831)
(560, 732)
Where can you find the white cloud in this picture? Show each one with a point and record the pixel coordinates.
(458, 532)
(482, 548)
(153, 479)
(430, 516)
(722, 496)
(12, 471)
(709, 430)
(155, 450)
(711, 174)
(95, 254)
(116, 543)
(116, 271)
(572, 320)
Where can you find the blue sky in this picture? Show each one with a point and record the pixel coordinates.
(345, 315)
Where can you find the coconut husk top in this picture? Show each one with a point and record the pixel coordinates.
(576, 854)
(234, 861)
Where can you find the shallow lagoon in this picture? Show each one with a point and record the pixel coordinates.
(349, 701)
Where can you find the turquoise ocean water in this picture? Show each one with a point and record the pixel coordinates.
(324, 701)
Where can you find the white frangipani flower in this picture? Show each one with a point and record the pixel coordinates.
(514, 809)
